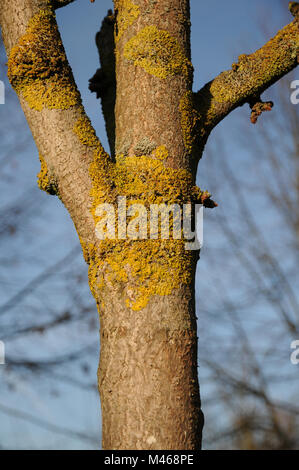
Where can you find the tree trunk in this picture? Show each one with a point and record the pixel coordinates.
(148, 368)
(148, 373)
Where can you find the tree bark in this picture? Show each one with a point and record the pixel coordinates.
(148, 373)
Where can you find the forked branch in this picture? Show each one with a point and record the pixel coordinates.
(250, 77)
(40, 74)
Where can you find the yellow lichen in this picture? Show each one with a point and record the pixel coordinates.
(100, 167)
(127, 13)
(158, 53)
(145, 267)
(38, 68)
(44, 181)
(101, 173)
(256, 70)
(148, 268)
(190, 121)
(85, 249)
(85, 132)
(161, 153)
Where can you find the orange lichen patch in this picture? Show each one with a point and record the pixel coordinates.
(127, 13)
(38, 68)
(158, 53)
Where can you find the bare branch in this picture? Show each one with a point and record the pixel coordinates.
(11, 303)
(103, 83)
(40, 74)
(249, 78)
(60, 3)
(19, 414)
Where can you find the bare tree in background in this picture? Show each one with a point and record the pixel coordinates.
(29, 336)
(257, 225)
(250, 369)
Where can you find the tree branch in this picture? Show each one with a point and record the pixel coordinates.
(40, 74)
(60, 3)
(23, 415)
(103, 83)
(250, 77)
